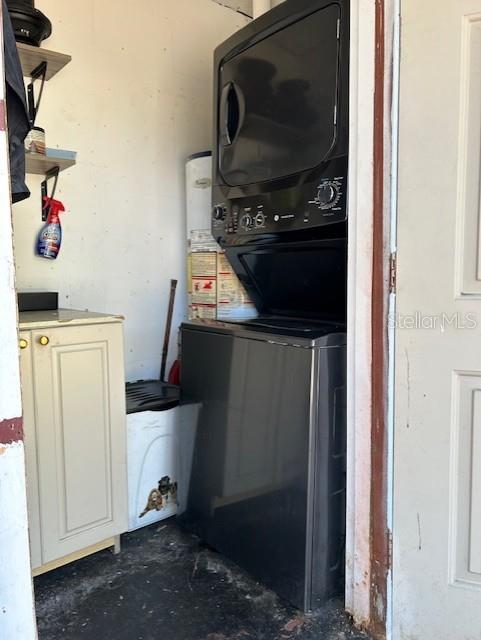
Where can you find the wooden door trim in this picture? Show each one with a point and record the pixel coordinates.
(380, 560)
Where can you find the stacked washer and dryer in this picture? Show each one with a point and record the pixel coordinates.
(267, 480)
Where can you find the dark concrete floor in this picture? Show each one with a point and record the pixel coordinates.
(166, 585)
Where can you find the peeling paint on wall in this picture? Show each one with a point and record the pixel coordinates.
(11, 430)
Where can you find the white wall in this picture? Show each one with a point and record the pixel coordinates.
(135, 102)
(17, 620)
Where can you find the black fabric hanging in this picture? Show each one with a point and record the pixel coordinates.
(17, 113)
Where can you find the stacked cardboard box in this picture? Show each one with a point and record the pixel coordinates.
(215, 291)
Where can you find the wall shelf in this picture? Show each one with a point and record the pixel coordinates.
(31, 57)
(41, 165)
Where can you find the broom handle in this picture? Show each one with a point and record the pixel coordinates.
(168, 327)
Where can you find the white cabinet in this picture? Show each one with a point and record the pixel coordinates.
(74, 416)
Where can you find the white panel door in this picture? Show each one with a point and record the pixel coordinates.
(79, 392)
(437, 442)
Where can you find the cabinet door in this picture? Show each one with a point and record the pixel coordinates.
(80, 402)
(28, 403)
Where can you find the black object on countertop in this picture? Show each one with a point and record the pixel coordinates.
(37, 300)
(151, 395)
(30, 25)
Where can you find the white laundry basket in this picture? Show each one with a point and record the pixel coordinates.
(153, 451)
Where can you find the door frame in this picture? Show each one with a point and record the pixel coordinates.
(371, 298)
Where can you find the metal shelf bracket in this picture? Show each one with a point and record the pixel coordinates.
(50, 175)
(39, 73)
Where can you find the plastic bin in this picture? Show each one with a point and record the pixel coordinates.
(153, 451)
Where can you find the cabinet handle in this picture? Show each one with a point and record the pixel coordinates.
(23, 343)
(44, 341)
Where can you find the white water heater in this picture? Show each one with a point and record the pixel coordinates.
(199, 191)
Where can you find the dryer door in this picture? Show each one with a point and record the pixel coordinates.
(278, 101)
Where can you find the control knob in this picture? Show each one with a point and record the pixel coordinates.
(218, 213)
(246, 221)
(326, 194)
(260, 220)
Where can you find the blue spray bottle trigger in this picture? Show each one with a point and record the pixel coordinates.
(50, 236)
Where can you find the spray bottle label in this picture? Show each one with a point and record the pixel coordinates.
(49, 241)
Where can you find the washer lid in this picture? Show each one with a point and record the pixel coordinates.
(151, 395)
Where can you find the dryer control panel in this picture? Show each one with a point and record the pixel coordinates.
(316, 203)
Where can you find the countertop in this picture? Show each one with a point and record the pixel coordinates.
(41, 319)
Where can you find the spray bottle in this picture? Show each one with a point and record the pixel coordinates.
(50, 236)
